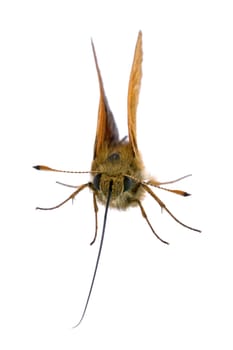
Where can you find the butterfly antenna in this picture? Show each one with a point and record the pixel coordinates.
(98, 256)
(47, 168)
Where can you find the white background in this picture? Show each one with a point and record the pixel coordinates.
(147, 295)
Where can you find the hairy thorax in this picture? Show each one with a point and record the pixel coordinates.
(117, 164)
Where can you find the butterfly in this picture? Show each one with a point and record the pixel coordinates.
(118, 178)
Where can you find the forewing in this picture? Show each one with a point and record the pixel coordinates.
(133, 93)
(107, 132)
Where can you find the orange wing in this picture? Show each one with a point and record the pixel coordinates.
(133, 93)
(106, 132)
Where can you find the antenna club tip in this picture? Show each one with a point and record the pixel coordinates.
(186, 194)
(37, 167)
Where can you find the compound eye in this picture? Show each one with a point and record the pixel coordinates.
(128, 183)
(96, 181)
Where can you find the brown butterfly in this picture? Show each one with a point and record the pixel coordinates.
(117, 170)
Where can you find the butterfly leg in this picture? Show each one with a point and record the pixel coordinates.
(163, 206)
(96, 217)
(80, 188)
(147, 220)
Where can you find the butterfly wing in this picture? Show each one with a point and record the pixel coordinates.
(133, 93)
(106, 132)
